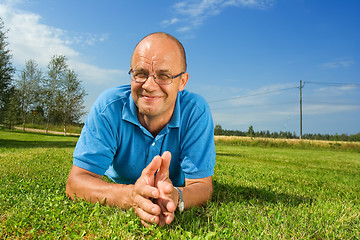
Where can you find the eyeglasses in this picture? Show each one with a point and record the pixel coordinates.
(141, 76)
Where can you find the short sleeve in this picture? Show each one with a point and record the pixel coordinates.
(96, 146)
(198, 147)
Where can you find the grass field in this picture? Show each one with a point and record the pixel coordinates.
(260, 192)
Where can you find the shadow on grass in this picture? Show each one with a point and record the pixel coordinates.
(9, 143)
(226, 154)
(224, 193)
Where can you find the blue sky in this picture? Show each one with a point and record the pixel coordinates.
(246, 57)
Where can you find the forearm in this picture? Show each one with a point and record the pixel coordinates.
(197, 193)
(92, 188)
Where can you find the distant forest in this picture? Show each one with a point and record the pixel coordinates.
(218, 130)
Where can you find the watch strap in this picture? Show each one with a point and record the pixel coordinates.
(181, 200)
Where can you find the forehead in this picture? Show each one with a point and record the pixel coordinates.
(156, 51)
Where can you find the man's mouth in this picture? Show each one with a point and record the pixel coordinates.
(149, 97)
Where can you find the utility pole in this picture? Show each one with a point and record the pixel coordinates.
(300, 110)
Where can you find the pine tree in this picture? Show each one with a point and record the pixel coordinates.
(6, 72)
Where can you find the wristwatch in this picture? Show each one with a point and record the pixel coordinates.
(181, 200)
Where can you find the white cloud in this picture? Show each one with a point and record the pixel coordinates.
(170, 22)
(319, 109)
(28, 38)
(193, 13)
(336, 91)
(338, 63)
(184, 29)
(97, 75)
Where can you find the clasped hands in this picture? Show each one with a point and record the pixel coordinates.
(154, 197)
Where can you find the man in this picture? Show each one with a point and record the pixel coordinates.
(150, 139)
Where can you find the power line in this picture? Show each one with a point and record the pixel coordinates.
(255, 105)
(251, 95)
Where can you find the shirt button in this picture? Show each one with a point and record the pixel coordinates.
(153, 144)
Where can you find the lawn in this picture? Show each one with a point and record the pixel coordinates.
(260, 192)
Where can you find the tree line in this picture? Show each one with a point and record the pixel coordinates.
(218, 130)
(55, 96)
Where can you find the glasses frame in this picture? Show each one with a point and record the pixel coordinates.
(154, 76)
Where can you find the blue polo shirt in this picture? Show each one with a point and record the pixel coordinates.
(115, 144)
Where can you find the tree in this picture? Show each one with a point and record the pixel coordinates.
(6, 71)
(13, 111)
(218, 130)
(51, 85)
(29, 88)
(251, 131)
(71, 99)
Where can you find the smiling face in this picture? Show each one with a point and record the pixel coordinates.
(156, 54)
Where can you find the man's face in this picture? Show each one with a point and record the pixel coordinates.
(154, 55)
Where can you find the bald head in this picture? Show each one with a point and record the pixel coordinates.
(156, 40)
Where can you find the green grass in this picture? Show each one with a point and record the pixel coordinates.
(259, 193)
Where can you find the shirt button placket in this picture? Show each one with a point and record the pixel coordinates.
(153, 151)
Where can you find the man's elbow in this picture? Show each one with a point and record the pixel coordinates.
(72, 182)
(210, 192)
(69, 189)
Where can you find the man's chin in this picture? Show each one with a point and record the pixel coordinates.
(149, 112)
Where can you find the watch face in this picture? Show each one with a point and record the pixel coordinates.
(181, 206)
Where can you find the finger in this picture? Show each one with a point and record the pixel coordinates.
(147, 191)
(144, 223)
(153, 166)
(170, 206)
(167, 205)
(169, 217)
(166, 159)
(146, 205)
(166, 188)
(165, 217)
(146, 217)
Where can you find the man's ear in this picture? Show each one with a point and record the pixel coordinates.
(183, 80)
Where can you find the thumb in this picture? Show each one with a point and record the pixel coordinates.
(165, 164)
(153, 166)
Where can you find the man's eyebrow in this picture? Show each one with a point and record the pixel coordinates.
(141, 69)
(163, 71)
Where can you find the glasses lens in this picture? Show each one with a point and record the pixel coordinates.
(164, 78)
(139, 76)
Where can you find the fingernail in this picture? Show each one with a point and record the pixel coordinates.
(153, 210)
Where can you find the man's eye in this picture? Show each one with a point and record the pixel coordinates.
(164, 76)
(140, 75)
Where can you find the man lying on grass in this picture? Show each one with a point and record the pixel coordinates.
(150, 138)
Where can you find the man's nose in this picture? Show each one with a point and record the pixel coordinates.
(150, 83)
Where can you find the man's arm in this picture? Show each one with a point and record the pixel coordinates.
(197, 191)
(89, 186)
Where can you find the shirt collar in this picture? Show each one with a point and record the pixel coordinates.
(129, 111)
(175, 119)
